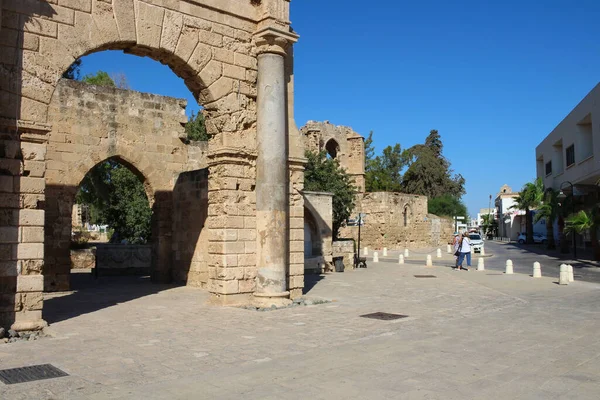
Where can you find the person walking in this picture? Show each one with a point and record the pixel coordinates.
(455, 244)
(464, 252)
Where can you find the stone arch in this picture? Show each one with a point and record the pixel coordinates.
(333, 148)
(214, 57)
(60, 199)
(312, 235)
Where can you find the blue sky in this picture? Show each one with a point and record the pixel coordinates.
(494, 78)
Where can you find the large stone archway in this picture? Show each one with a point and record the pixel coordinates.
(236, 57)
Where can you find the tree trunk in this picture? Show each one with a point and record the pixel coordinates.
(550, 234)
(528, 226)
(595, 245)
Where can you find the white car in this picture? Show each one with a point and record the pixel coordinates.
(537, 238)
(476, 242)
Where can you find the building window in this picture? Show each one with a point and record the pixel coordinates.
(570, 155)
(548, 168)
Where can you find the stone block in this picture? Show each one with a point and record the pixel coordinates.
(245, 260)
(41, 27)
(32, 301)
(30, 185)
(32, 234)
(33, 151)
(296, 269)
(81, 5)
(9, 268)
(28, 251)
(36, 169)
(149, 24)
(6, 184)
(211, 38)
(8, 252)
(9, 234)
(172, 25)
(245, 61)
(250, 247)
(250, 272)
(31, 201)
(230, 273)
(297, 281)
(31, 217)
(125, 18)
(30, 283)
(224, 287)
(247, 286)
(234, 71)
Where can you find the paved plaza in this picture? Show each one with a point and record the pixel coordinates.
(468, 335)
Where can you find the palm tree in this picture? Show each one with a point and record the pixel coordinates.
(549, 210)
(583, 221)
(530, 197)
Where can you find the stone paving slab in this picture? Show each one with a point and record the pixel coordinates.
(468, 335)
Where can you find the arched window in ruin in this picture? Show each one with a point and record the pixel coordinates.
(406, 214)
(332, 147)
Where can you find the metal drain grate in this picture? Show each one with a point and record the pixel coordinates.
(29, 374)
(425, 276)
(384, 316)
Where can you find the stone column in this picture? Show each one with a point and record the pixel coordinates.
(272, 203)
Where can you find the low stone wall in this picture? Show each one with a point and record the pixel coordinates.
(83, 258)
(123, 259)
(344, 248)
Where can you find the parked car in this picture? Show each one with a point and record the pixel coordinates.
(537, 238)
(476, 242)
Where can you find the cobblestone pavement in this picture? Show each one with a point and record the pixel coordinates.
(469, 335)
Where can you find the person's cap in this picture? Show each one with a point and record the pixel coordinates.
(455, 233)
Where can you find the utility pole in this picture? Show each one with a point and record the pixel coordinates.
(489, 221)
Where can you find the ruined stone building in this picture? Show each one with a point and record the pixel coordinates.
(392, 220)
(238, 228)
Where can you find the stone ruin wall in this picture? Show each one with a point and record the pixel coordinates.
(351, 154)
(384, 222)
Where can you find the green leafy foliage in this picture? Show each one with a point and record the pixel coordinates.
(429, 173)
(323, 174)
(586, 220)
(383, 173)
(195, 129)
(100, 78)
(549, 210)
(490, 225)
(447, 205)
(116, 197)
(530, 197)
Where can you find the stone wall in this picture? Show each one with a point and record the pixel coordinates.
(123, 259)
(397, 220)
(83, 258)
(219, 48)
(342, 143)
(91, 124)
(190, 239)
(318, 231)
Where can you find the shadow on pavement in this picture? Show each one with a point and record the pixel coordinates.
(89, 295)
(310, 281)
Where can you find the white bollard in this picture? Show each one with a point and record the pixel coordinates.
(429, 262)
(405, 252)
(375, 257)
(570, 271)
(385, 251)
(482, 251)
(400, 259)
(439, 253)
(537, 270)
(480, 265)
(449, 249)
(563, 278)
(509, 267)
(366, 252)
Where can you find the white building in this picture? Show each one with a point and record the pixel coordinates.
(570, 154)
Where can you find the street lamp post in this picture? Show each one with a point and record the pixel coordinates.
(489, 221)
(561, 197)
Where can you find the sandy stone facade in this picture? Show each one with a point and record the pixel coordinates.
(398, 221)
(318, 231)
(236, 58)
(341, 143)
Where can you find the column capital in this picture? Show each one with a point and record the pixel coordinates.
(271, 39)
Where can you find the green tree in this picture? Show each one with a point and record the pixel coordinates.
(583, 221)
(447, 205)
(100, 78)
(74, 71)
(490, 225)
(549, 210)
(195, 128)
(429, 173)
(530, 197)
(326, 175)
(384, 172)
(116, 197)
